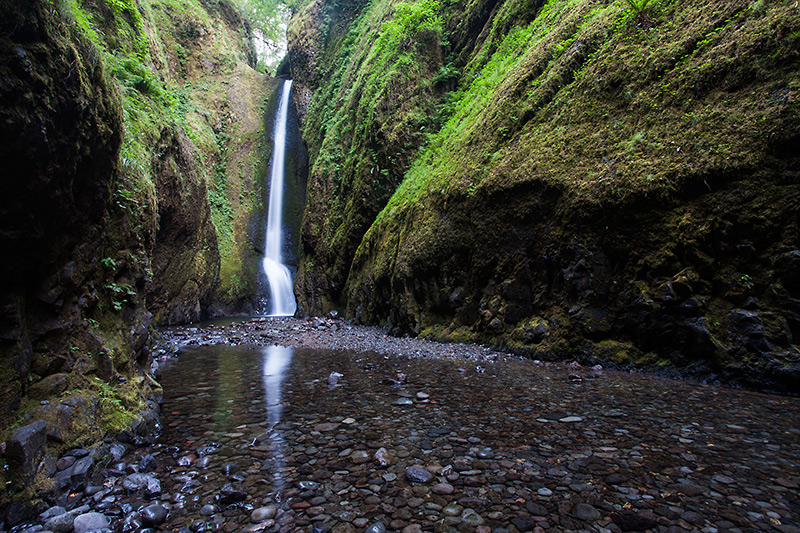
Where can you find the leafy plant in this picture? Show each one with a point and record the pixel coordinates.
(638, 6)
(640, 9)
(121, 293)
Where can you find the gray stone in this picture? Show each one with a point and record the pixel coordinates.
(231, 493)
(443, 488)
(584, 511)
(89, 522)
(208, 510)
(263, 513)
(50, 513)
(416, 474)
(148, 464)
(81, 470)
(25, 449)
(471, 518)
(136, 482)
(61, 523)
(154, 515)
(524, 523)
(377, 527)
(485, 453)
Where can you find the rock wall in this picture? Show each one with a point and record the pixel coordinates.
(132, 153)
(592, 183)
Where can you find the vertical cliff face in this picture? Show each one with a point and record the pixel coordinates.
(132, 152)
(61, 136)
(579, 180)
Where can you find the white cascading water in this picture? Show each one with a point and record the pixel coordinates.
(282, 302)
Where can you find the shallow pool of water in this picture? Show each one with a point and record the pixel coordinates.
(512, 445)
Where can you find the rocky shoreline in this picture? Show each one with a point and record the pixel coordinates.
(328, 333)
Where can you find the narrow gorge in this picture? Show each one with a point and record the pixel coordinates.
(614, 184)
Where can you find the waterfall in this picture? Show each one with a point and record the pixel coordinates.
(282, 302)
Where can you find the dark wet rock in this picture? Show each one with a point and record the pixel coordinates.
(62, 418)
(593, 322)
(689, 489)
(693, 517)
(535, 334)
(142, 482)
(154, 515)
(443, 489)
(632, 521)
(232, 493)
(144, 430)
(56, 510)
(132, 522)
(148, 464)
(416, 474)
(615, 478)
(78, 452)
(485, 453)
(208, 510)
(584, 511)
(63, 523)
(229, 469)
(65, 462)
(81, 471)
(524, 523)
(25, 449)
(89, 522)
(747, 327)
(377, 527)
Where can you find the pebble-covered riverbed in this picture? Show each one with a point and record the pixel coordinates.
(422, 436)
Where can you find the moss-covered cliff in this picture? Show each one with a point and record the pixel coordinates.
(133, 148)
(576, 179)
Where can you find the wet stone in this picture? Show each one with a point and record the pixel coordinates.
(89, 522)
(442, 488)
(485, 453)
(208, 510)
(154, 515)
(524, 523)
(416, 474)
(231, 493)
(377, 527)
(584, 511)
(631, 521)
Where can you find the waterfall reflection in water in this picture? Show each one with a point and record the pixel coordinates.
(277, 360)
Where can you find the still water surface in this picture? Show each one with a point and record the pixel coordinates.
(512, 442)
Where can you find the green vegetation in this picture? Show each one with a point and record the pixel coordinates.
(376, 107)
(568, 62)
(180, 68)
(563, 161)
(268, 19)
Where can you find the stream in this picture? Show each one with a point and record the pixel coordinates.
(279, 438)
